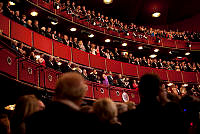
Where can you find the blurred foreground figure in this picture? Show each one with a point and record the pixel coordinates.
(63, 114)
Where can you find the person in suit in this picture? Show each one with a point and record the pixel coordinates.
(120, 81)
(50, 62)
(63, 115)
(110, 78)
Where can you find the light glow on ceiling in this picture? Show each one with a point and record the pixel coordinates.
(11, 3)
(107, 40)
(188, 53)
(107, 1)
(156, 50)
(73, 29)
(153, 56)
(156, 14)
(34, 13)
(124, 44)
(91, 35)
(140, 47)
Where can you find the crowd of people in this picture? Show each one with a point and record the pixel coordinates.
(101, 20)
(95, 49)
(67, 112)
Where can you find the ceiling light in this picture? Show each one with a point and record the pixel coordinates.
(124, 44)
(10, 107)
(169, 84)
(156, 50)
(107, 40)
(185, 85)
(91, 35)
(73, 29)
(179, 57)
(188, 53)
(107, 1)
(170, 52)
(34, 13)
(11, 3)
(54, 23)
(140, 47)
(125, 53)
(153, 56)
(156, 14)
(59, 63)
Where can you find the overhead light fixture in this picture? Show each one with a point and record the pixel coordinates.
(11, 3)
(153, 56)
(185, 85)
(170, 52)
(107, 1)
(169, 84)
(91, 35)
(10, 107)
(140, 47)
(124, 44)
(179, 57)
(156, 50)
(156, 14)
(59, 63)
(188, 53)
(54, 23)
(73, 29)
(107, 40)
(34, 13)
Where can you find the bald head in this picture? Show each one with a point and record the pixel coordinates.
(70, 86)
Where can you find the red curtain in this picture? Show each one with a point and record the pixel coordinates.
(8, 62)
(62, 50)
(97, 62)
(4, 24)
(114, 66)
(28, 72)
(42, 43)
(21, 33)
(130, 69)
(80, 57)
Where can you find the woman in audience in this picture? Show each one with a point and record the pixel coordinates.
(85, 75)
(29, 24)
(93, 49)
(25, 106)
(105, 79)
(81, 46)
(106, 111)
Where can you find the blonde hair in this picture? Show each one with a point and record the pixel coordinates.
(105, 109)
(70, 86)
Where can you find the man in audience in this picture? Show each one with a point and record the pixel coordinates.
(63, 114)
(150, 115)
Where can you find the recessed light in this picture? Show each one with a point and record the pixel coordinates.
(54, 23)
(156, 50)
(156, 14)
(153, 56)
(10, 107)
(73, 29)
(107, 1)
(169, 84)
(170, 52)
(91, 35)
(185, 85)
(34, 13)
(188, 53)
(140, 47)
(59, 63)
(107, 40)
(124, 44)
(11, 3)
(179, 57)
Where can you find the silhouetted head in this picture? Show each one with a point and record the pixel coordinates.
(149, 86)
